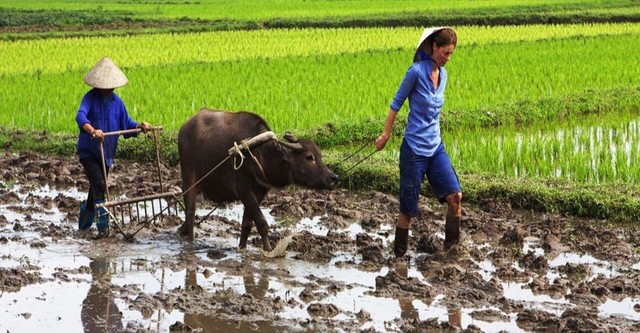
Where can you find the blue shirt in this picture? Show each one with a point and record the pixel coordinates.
(425, 103)
(107, 114)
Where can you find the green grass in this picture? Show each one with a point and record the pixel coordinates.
(579, 149)
(63, 55)
(512, 88)
(300, 91)
(261, 10)
(56, 19)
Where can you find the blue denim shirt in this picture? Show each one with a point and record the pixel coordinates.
(108, 114)
(425, 103)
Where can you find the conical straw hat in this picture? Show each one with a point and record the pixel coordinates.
(105, 75)
(425, 34)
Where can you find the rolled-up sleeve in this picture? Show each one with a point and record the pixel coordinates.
(408, 82)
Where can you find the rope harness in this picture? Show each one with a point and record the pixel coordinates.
(235, 151)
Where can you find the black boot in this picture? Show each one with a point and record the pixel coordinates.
(401, 242)
(451, 231)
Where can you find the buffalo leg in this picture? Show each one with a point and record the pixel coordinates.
(247, 224)
(186, 230)
(263, 230)
(252, 213)
(261, 223)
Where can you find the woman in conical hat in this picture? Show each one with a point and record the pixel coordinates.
(422, 152)
(100, 111)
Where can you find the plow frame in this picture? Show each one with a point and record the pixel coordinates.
(142, 210)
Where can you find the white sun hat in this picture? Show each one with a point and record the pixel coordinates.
(425, 34)
(105, 75)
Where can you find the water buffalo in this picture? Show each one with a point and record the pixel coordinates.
(204, 142)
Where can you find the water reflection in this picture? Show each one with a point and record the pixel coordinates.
(51, 304)
(99, 311)
(455, 316)
(256, 289)
(213, 323)
(409, 311)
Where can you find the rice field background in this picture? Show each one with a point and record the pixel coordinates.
(262, 10)
(527, 102)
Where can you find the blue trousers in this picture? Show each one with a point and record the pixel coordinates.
(414, 168)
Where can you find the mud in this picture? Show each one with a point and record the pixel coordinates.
(515, 271)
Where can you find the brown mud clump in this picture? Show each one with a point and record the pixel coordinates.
(336, 272)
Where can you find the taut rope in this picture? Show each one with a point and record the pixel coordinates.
(359, 161)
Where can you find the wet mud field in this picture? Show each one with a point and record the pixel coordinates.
(515, 271)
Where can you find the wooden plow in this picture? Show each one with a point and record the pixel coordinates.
(143, 210)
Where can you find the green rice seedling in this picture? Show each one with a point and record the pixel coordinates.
(594, 151)
(305, 92)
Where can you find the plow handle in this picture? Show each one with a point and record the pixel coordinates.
(133, 130)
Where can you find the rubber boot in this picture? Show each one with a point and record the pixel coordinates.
(85, 220)
(103, 220)
(401, 242)
(451, 231)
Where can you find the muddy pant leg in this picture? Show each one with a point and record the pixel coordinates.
(452, 223)
(97, 185)
(401, 242)
(412, 171)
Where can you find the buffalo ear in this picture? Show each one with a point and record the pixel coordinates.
(290, 137)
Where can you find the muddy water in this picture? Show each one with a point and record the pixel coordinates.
(514, 272)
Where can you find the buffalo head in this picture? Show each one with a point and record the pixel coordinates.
(306, 165)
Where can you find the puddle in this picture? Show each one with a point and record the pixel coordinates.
(82, 279)
(626, 308)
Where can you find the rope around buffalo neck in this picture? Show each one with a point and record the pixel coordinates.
(262, 137)
(246, 144)
(238, 152)
(237, 166)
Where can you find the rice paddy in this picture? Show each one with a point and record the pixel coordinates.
(529, 101)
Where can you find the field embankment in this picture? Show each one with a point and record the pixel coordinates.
(26, 20)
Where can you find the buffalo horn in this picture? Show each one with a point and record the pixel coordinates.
(290, 137)
(293, 146)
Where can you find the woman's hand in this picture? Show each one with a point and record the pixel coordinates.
(381, 141)
(144, 126)
(386, 133)
(97, 134)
